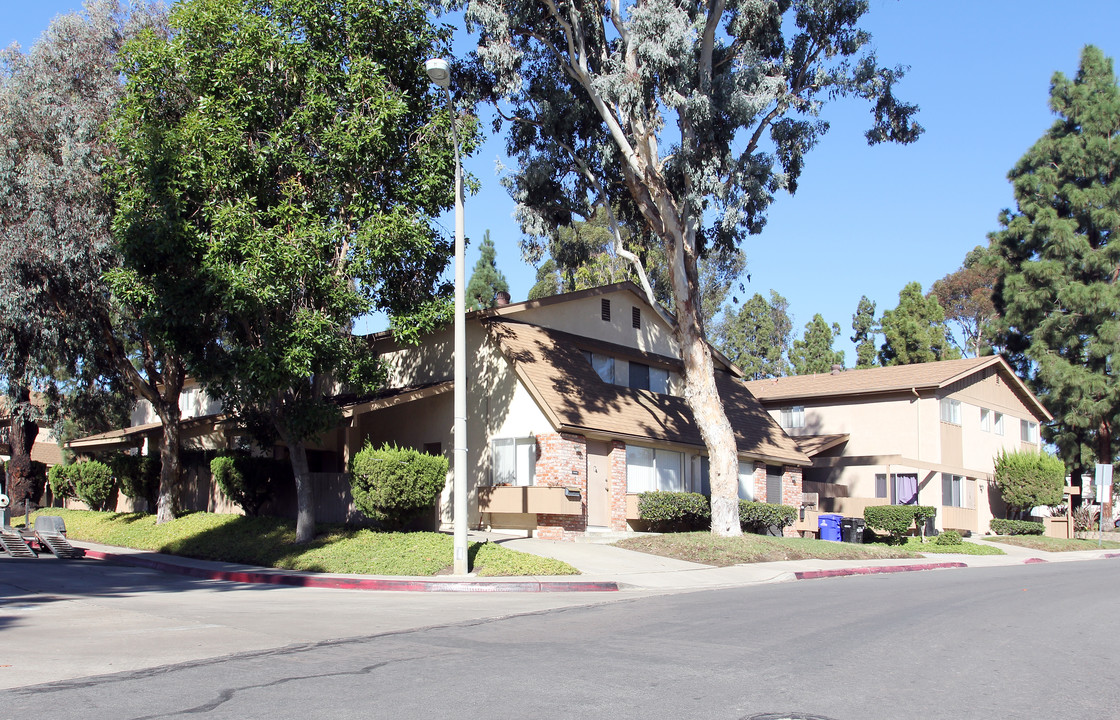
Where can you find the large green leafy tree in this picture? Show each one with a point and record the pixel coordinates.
(757, 336)
(486, 279)
(813, 353)
(865, 330)
(966, 297)
(686, 117)
(61, 330)
(301, 155)
(914, 331)
(1059, 261)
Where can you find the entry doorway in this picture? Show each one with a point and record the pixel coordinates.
(598, 484)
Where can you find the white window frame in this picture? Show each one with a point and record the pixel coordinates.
(951, 411)
(513, 461)
(955, 486)
(792, 417)
(1028, 431)
(985, 419)
(664, 471)
(746, 480)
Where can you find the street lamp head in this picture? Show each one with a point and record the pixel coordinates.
(439, 72)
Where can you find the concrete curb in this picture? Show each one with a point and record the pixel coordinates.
(335, 582)
(874, 570)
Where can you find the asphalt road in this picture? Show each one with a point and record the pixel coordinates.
(1036, 641)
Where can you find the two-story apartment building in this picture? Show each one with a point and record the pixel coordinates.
(925, 433)
(574, 407)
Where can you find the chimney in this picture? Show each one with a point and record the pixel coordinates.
(501, 299)
(837, 369)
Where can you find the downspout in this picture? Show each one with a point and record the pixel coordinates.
(918, 441)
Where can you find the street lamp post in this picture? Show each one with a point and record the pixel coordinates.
(440, 74)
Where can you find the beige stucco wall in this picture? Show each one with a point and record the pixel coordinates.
(193, 402)
(583, 317)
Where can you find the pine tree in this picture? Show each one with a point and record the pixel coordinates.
(863, 324)
(757, 337)
(915, 332)
(486, 279)
(814, 353)
(1059, 260)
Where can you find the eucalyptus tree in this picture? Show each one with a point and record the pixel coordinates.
(1058, 293)
(966, 297)
(682, 118)
(58, 318)
(300, 153)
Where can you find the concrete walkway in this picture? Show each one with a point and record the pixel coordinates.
(603, 568)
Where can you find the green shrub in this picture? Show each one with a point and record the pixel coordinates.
(61, 479)
(93, 483)
(137, 476)
(897, 519)
(1017, 527)
(249, 481)
(949, 537)
(667, 511)
(758, 517)
(392, 485)
(1026, 479)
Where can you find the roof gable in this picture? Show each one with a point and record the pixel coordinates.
(552, 367)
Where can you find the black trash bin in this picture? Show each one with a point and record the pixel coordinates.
(851, 530)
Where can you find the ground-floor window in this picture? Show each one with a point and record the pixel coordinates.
(746, 480)
(514, 461)
(903, 488)
(957, 491)
(774, 476)
(650, 469)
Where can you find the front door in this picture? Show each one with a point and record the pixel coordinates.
(598, 483)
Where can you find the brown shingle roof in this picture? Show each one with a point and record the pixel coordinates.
(813, 445)
(897, 378)
(571, 394)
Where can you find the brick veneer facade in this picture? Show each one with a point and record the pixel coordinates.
(562, 462)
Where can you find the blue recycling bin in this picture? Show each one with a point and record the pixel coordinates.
(829, 526)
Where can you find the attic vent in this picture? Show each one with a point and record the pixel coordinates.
(636, 318)
(606, 312)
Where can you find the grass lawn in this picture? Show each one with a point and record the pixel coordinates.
(929, 547)
(704, 548)
(270, 542)
(1049, 544)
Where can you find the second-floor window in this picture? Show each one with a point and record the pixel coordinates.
(951, 411)
(985, 419)
(1028, 431)
(644, 377)
(997, 423)
(792, 417)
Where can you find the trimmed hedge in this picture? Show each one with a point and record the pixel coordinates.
(897, 519)
(250, 481)
(1017, 527)
(1026, 479)
(758, 517)
(393, 485)
(667, 511)
(94, 484)
(949, 537)
(137, 476)
(61, 479)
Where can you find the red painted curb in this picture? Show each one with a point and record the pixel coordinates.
(876, 570)
(1032, 561)
(341, 583)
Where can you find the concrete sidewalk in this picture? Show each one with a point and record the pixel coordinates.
(603, 568)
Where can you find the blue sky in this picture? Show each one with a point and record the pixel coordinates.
(865, 221)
